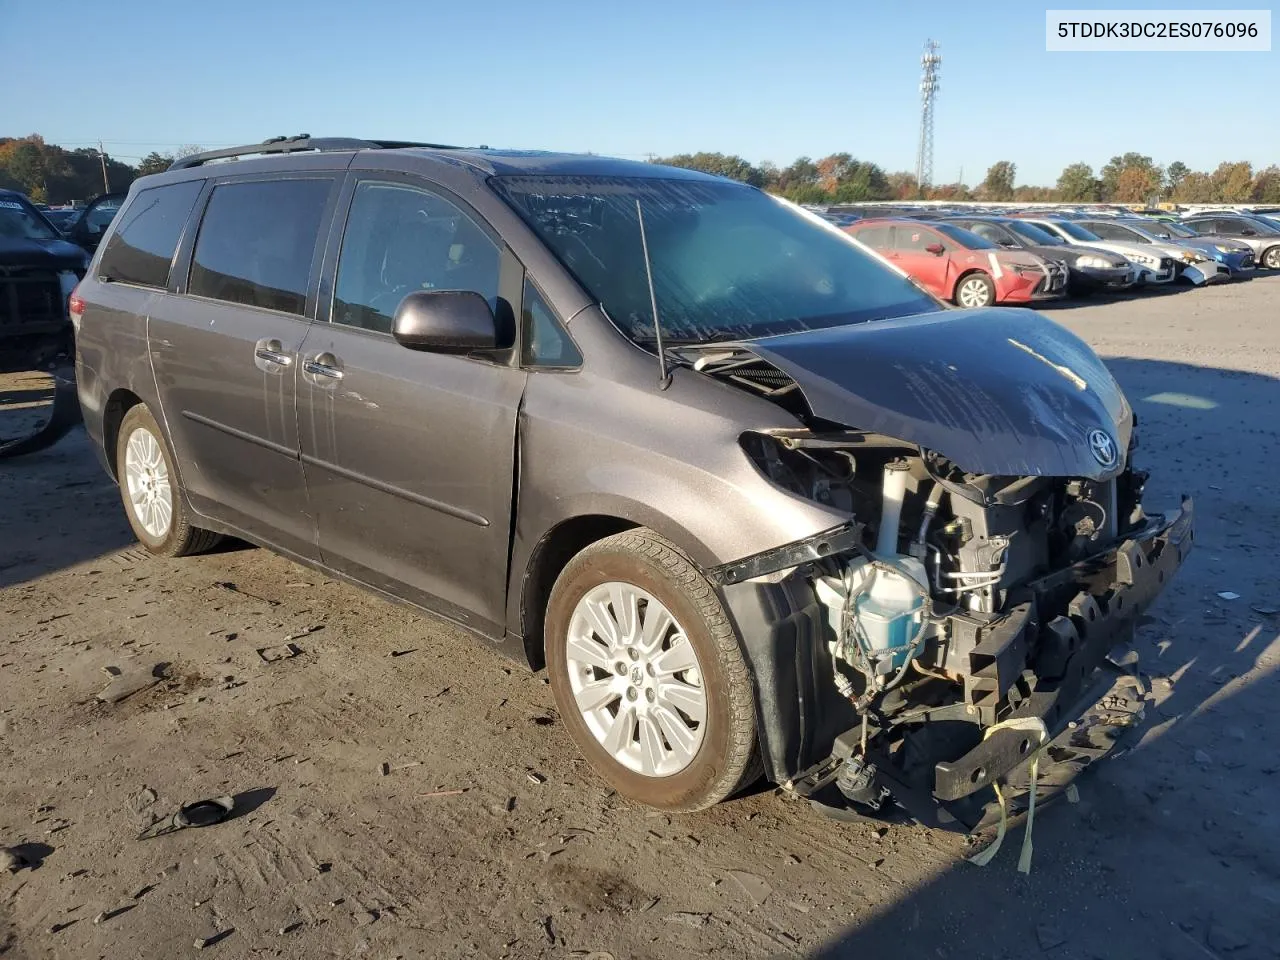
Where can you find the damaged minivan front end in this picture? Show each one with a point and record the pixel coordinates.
(959, 623)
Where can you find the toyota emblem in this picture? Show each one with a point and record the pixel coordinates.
(1102, 447)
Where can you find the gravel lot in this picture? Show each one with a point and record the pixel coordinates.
(1173, 850)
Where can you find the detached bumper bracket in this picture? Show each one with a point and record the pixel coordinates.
(837, 540)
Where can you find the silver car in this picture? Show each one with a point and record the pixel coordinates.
(1259, 234)
(754, 500)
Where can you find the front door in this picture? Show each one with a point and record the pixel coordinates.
(410, 456)
(911, 243)
(226, 356)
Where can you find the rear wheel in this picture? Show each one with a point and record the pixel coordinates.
(1271, 258)
(151, 490)
(975, 290)
(648, 674)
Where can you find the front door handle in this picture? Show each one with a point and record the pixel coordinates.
(272, 351)
(323, 365)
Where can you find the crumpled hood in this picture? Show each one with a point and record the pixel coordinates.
(48, 254)
(998, 390)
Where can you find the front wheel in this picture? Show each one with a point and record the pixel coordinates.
(975, 290)
(648, 674)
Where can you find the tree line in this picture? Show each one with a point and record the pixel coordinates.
(1130, 178)
(51, 174)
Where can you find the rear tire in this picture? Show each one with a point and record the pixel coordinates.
(974, 290)
(1271, 258)
(648, 674)
(154, 501)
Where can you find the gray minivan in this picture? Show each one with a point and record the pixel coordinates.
(753, 499)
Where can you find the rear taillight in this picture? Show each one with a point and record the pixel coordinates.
(75, 306)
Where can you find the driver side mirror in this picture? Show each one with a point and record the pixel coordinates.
(445, 321)
(936, 249)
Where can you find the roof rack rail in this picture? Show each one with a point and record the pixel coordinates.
(297, 144)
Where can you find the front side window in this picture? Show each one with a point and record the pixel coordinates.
(400, 239)
(913, 239)
(965, 238)
(142, 247)
(728, 261)
(257, 241)
(992, 232)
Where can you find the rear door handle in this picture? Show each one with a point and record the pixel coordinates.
(272, 351)
(323, 365)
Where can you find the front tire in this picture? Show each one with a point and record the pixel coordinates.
(975, 290)
(648, 674)
(153, 498)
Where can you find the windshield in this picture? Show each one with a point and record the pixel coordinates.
(20, 222)
(1029, 231)
(1075, 231)
(1267, 226)
(729, 261)
(966, 238)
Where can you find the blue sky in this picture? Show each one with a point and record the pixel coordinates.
(769, 81)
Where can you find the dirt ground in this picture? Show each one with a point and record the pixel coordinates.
(487, 837)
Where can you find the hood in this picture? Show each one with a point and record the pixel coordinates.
(49, 254)
(998, 390)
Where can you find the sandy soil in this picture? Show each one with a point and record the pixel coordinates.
(488, 837)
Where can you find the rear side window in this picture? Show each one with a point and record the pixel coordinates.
(142, 247)
(877, 238)
(913, 239)
(257, 241)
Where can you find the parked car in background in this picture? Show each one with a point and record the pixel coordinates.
(1194, 265)
(441, 373)
(38, 271)
(62, 218)
(92, 220)
(1236, 255)
(1260, 233)
(1155, 266)
(1089, 268)
(956, 264)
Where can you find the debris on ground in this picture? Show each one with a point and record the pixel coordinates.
(283, 651)
(755, 887)
(534, 777)
(11, 860)
(1228, 595)
(124, 685)
(443, 793)
(305, 631)
(690, 919)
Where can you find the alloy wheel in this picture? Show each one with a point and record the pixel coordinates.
(636, 680)
(147, 481)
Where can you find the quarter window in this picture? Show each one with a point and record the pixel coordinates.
(257, 241)
(400, 239)
(143, 245)
(546, 342)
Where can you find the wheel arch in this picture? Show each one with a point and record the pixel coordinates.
(955, 287)
(118, 405)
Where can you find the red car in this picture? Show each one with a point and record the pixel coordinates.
(958, 265)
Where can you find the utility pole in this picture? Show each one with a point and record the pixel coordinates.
(931, 68)
(102, 158)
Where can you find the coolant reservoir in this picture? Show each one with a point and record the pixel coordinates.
(890, 613)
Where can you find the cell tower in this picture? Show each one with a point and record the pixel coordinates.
(931, 70)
